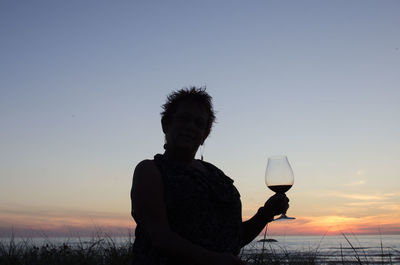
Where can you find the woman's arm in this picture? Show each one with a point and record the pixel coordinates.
(275, 205)
(148, 209)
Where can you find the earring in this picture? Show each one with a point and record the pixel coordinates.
(202, 151)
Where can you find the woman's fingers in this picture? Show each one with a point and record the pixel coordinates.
(277, 204)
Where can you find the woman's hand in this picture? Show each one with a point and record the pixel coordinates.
(277, 204)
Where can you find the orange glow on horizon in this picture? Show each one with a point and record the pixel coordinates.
(336, 225)
(318, 225)
(65, 224)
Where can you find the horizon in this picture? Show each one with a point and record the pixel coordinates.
(83, 83)
(79, 232)
(281, 228)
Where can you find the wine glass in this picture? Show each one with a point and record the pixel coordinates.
(279, 177)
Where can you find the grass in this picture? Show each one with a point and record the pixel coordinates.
(103, 250)
(359, 255)
(99, 251)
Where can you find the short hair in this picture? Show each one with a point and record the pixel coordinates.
(196, 94)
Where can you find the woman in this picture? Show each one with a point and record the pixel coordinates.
(188, 211)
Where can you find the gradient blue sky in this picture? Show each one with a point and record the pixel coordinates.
(82, 83)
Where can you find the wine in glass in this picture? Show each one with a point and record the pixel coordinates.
(279, 177)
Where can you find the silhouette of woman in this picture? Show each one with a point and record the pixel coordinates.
(188, 211)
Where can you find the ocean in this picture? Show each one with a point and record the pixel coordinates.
(370, 249)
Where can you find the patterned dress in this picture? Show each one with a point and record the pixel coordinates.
(202, 206)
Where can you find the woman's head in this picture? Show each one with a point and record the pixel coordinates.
(188, 116)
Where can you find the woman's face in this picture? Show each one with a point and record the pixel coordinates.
(187, 129)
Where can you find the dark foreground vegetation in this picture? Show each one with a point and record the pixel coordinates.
(99, 251)
(105, 251)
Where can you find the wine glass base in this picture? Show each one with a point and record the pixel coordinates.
(284, 218)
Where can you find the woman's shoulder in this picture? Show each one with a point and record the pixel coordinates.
(145, 163)
(150, 166)
(216, 170)
(145, 167)
(211, 166)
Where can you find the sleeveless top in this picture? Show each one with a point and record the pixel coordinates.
(204, 208)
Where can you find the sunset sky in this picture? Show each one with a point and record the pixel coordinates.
(82, 84)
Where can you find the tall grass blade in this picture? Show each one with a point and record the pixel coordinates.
(354, 249)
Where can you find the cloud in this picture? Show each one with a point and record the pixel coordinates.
(337, 224)
(356, 183)
(359, 182)
(365, 204)
(360, 172)
(364, 197)
(57, 222)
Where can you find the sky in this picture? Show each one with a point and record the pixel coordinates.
(82, 84)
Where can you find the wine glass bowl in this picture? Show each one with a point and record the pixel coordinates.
(279, 177)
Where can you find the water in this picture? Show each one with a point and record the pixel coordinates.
(328, 249)
(370, 249)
